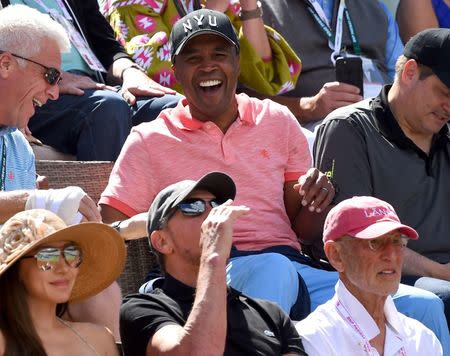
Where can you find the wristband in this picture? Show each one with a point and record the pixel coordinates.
(252, 14)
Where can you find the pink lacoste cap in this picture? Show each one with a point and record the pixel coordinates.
(363, 218)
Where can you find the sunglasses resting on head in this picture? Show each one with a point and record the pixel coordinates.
(51, 75)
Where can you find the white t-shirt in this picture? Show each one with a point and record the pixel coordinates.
(342, 326)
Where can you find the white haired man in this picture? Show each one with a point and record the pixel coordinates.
(30, 60)
(365, 242)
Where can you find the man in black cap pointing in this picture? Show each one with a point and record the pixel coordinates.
(190, 227)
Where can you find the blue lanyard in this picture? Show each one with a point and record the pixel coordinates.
(313, 10)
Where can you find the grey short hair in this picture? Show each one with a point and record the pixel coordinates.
(24, 30)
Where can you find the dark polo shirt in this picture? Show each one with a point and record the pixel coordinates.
(254, 327)
(365, 152)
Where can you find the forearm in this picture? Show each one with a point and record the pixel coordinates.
(205, 330)
(309, 225)
(208, 318)
(255, 32)
(12, 203)
(116, 70)
(417, 265)
(302, 108)
(252, 29)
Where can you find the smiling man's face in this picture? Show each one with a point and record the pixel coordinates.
(208, 70)
(27, 85)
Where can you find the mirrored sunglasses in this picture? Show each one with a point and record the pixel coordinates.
(47, 258)
(196, 206)
(51, 75)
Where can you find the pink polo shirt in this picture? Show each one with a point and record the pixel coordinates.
(261, 150)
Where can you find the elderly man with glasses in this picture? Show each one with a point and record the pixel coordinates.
(192, 312)
(365, 242)
(30, 60)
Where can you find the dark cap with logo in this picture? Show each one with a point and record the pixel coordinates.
(199, 22)
(431, 48)
(217, 183)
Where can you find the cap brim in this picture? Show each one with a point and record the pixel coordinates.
(103, 251)
(217, 183)
(383, 227)
(198, 33)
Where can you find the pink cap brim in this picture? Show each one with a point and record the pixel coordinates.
(383, 227)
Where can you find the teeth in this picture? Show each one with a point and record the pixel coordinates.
(37, 102)
(387, 272)
(210, 83)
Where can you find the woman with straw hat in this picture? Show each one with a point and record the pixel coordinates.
(43, 265)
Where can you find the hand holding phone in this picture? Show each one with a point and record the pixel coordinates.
(349, 70)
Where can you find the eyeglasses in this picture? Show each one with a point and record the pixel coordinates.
(47, 258)
(51, 75)
(196, 206)
(381, 242)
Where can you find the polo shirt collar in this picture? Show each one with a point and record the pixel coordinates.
(181, 116)
(388, 126)
(363, 319)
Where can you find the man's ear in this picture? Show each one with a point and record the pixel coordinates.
(6, 65)
(411, 71)
(334, 252)
(161, 243)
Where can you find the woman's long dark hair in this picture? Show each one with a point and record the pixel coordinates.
(21, 338)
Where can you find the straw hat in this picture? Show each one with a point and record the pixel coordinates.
(102, 247)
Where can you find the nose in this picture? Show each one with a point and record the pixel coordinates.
(61, 266)
(389, 251)
(52, 91)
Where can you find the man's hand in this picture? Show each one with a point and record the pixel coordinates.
(137, 83)
(331, 96)
(217, 231)
(134, 227)
(89, 210)
(73, 84)
(316, 190)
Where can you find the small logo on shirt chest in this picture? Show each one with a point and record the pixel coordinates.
(269, 333)
(264, 154)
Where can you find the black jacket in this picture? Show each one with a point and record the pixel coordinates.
(95, 28)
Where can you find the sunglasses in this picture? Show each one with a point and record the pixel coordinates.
(381, 242)
(51, 75)
(47, 258)
(196, 206)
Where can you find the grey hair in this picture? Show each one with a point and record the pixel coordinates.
(24, 30)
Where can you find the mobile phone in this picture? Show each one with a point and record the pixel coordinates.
(349, 70)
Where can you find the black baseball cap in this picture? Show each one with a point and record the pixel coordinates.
(431, 48)
(201, 22)
(217, 183)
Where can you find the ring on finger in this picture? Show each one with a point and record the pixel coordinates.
(324, 189)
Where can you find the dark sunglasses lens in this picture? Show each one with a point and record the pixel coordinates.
(192, 207)
(53, 76)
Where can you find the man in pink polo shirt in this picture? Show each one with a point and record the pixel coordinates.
(258, 143)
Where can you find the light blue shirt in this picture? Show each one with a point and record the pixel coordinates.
(71, 60)
(20, 161)
(394, 45)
